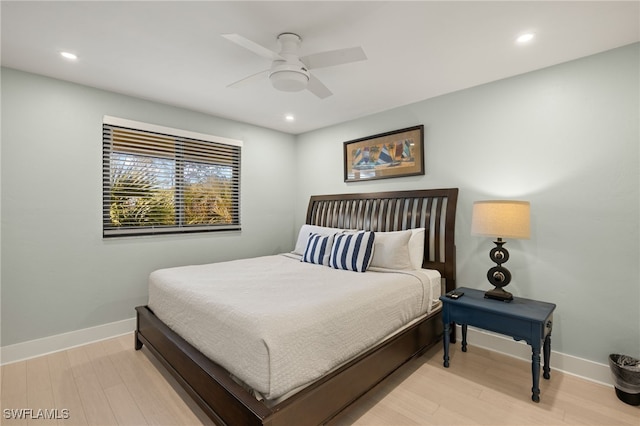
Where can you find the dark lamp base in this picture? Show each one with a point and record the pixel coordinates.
(628, 398)
(498, 294)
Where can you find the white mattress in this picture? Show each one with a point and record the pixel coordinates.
(278, 324)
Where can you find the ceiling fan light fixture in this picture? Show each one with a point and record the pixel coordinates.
(289, 80)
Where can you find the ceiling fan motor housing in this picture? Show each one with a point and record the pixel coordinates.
(289, 75)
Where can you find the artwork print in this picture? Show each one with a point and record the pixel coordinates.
(392, 154)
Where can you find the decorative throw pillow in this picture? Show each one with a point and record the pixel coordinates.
(303, 236)
(318, 249)
(352, 251)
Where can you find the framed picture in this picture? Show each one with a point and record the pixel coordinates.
(387, 155)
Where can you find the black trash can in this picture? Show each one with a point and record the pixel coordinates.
(626, 375)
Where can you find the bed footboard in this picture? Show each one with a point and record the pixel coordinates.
(226, 402)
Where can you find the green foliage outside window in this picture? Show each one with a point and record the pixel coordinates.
(139, 198)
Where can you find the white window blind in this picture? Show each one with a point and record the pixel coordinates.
(158, 180)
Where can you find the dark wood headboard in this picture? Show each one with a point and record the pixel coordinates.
(432, 209)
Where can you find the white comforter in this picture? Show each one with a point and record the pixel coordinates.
(277, 323)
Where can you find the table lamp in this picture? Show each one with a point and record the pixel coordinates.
(500, 219)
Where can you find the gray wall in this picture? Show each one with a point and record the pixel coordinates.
(565, 138)
(58, 274)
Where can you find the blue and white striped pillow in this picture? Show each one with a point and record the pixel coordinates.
(352, 252)
(318, 249)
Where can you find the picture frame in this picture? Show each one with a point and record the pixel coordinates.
(386, 155)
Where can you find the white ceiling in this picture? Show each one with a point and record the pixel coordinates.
(172, 52)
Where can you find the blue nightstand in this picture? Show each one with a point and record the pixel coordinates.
(522, 319)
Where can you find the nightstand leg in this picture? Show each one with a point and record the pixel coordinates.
(445, 340)
(464, 337)
(547, 355)
(535, 372)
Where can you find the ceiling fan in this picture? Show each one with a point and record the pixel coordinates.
(289, 71)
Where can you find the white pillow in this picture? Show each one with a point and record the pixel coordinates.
(399, 249)
(391, 250)
(416, 247)
(306, 230)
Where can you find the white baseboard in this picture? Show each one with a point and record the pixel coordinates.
(586, 369)
(589, 370)
(59, 342)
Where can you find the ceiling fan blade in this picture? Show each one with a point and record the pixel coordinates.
(334, 57)
(252, 78)
(253, 46)
(316, 87)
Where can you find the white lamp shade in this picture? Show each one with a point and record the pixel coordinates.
(501, 218)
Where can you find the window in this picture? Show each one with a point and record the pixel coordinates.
(158, 180)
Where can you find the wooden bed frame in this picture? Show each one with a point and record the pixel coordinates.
(226, 402)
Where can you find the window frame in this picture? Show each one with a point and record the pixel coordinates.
(180, 140)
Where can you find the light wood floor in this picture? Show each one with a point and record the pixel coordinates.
(109, 383)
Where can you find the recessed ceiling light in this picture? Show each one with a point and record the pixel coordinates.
(526, 37)
(69, 55)
(289, 117)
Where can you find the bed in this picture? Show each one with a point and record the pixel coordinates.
(226, 399)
